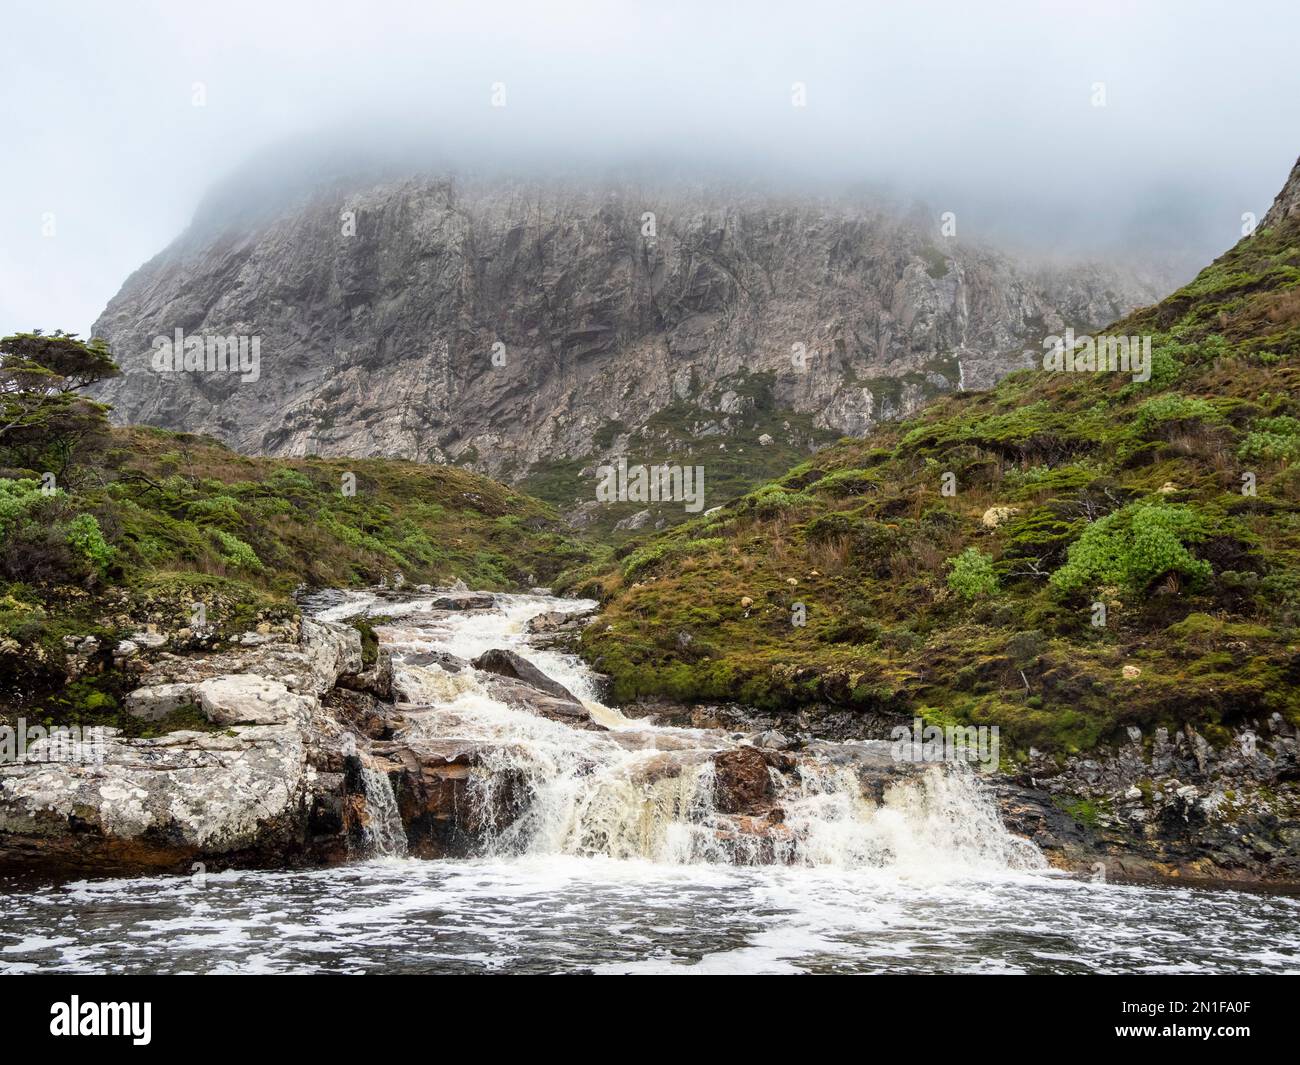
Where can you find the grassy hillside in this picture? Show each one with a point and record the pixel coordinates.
(1079, 497)
(159, 521)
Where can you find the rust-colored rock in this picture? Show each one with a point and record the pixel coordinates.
(742, 782)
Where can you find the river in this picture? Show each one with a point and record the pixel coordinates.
(613, 866)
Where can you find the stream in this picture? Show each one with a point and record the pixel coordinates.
(617, 856)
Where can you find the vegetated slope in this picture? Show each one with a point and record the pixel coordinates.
(1080, 497)
(164, 520)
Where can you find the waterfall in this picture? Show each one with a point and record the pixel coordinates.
(535, 787)
(385, 834)
(540, 787)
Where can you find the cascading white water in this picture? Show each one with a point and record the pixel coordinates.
(385, 835)
(541, 787)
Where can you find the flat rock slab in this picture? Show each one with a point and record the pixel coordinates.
(233, 699)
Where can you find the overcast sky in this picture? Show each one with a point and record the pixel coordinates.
(109, 143)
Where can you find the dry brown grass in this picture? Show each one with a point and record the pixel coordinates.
(1283, 308)
(830, 557)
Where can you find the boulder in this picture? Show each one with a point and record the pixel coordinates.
(741, 780)
(639, 520)
(995, 516)
(464, 601)
(244, 699)
(552, 621)
(508, 664)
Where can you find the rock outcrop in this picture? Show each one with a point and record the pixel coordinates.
(506, 325)
(254, 788)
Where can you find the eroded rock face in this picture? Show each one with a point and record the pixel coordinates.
(383, 342)
(1171, 803)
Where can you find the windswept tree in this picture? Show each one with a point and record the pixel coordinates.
(45, 424)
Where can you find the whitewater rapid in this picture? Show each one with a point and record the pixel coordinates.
(645, 791)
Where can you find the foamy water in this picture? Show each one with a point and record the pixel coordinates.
(566, 914)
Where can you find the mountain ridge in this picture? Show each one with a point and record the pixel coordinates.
(383, 341)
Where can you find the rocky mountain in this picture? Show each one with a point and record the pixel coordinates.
(528, 327)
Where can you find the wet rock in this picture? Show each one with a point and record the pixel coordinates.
(520, 695)
(443, 659)
(377, 680)
(444, 816)
(741, 780)
(363, 713)
(772, 739)
(465, 601)
(509, 664)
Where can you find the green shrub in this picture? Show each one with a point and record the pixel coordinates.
(235, 552)
(16, 499)
(770, 501)
(1171, 407)
(971, 574)
(86, 540)
(1132, 547)
(1272, 439)
(848, 482)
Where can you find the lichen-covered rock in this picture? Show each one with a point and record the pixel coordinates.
(246, 793)
(311, 666)
(159, 803)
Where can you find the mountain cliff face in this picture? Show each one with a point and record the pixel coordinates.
(522, 327)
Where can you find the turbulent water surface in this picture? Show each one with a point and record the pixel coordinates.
(614, 864)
